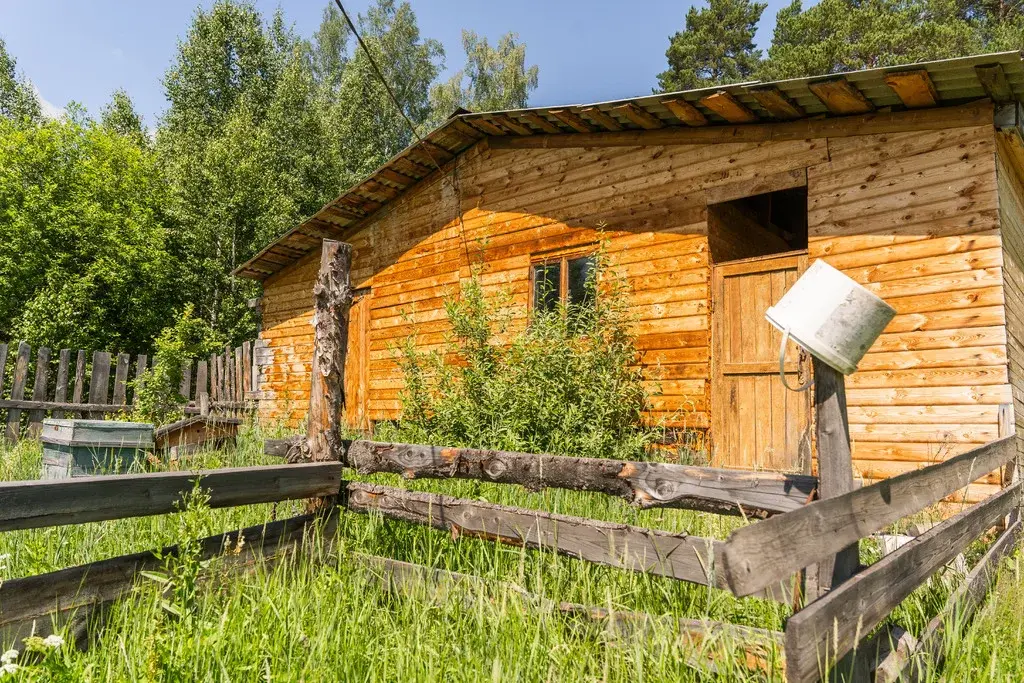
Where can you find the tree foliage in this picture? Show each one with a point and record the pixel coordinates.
(716, 47)
(17, 100)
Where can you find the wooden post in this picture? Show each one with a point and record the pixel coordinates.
(1011, 473)
(835, 465)
(99, 381)
(35, 417)
(18, 392)
(332, 298)
(76, 396)
(60, 392)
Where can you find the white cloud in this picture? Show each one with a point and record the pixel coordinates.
(50, 110)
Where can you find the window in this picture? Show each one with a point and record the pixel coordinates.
(563, 279)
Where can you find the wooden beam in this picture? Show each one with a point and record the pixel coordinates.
(601, 118)
(479, 125)
(835, 464)
(38, 504)
(956, 613)
(840, 96)
(679, 556)
(993, 80)
(685, 112)
(436, 152)
(757, 555)
(511, 124)
(774, 182)
(761, 648)
(728, 107)
(403, 181)
(645, 484)
(572, 120)
(827, 629)
(541, 122)
(332, 299)
(914, 88)
(639, 116)
(64, 601)
(937, 118)
(776, 103)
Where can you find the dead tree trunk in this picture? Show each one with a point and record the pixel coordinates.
(332, 298)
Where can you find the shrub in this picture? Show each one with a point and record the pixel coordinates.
(566, 383)
(158, 397)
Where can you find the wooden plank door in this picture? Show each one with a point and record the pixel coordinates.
(756, 422)
(357, 361)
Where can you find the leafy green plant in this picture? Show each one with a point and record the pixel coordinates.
(568, 382)
(158, 397)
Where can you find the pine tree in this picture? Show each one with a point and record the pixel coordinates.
(717, 46)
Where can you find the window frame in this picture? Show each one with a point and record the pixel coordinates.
(562, 258)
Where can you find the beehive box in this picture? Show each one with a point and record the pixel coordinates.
(79, 448)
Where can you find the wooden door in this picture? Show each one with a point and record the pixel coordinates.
(357, 362)
(756, 422)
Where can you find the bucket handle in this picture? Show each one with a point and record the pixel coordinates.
(782, 366)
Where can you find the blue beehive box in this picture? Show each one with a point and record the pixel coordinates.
(80, 448)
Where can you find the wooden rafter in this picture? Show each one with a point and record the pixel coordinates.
(685, 112)
(728, 107)
(395, 177)
(437, 152)
(601, 118)
(511, 124)
(639, 116)
(914, 88)
(539, 121)
(572, 120)
(484, 126)
(993, 79)
(776, 103)
(840, 96)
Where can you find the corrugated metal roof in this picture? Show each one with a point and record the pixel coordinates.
(952, 81)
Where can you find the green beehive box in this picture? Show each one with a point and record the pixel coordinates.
(81, 448)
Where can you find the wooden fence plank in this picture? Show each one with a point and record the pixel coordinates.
(141, 362)
(60, 392)
(99, 379)
(13, 432)
(202, 385)
(646, 484)
(39, 386)
(121, 378)
(76, 396)
(35, 504)
(214, 379)
(239, 390)
(246, 368)
(755, 555)
(957, 612)
(688, 558)
(3, 367)
(64, 600)
(185, 388)
(830, 627)
(27, 404)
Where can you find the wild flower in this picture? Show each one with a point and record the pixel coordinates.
(8, 657)
(53, 641)
(8, 668)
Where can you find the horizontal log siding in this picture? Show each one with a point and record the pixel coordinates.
(914, 217)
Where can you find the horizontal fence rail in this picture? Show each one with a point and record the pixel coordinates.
(67, 599)
(831, 626)
(758, 555)
(34, 504)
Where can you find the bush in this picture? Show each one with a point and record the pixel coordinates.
(158, 397)
(566, 384)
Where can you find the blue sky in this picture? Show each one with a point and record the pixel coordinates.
(587, 50)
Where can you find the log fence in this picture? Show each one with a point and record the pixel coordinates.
(101, 384)
(802, 547)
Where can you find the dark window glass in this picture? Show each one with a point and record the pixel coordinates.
(581, 288)
(545, 286)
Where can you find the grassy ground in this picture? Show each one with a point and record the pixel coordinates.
(322, 617)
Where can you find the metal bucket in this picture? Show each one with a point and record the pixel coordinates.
(831, 316)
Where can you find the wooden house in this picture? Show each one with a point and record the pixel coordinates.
(910, 180)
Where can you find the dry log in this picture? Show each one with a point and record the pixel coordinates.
(646, 484)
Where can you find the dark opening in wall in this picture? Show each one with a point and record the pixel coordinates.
(764, 224)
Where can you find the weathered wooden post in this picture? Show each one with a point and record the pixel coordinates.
(332, 298)
(835, 465)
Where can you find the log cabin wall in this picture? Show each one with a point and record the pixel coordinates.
(913, 216)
